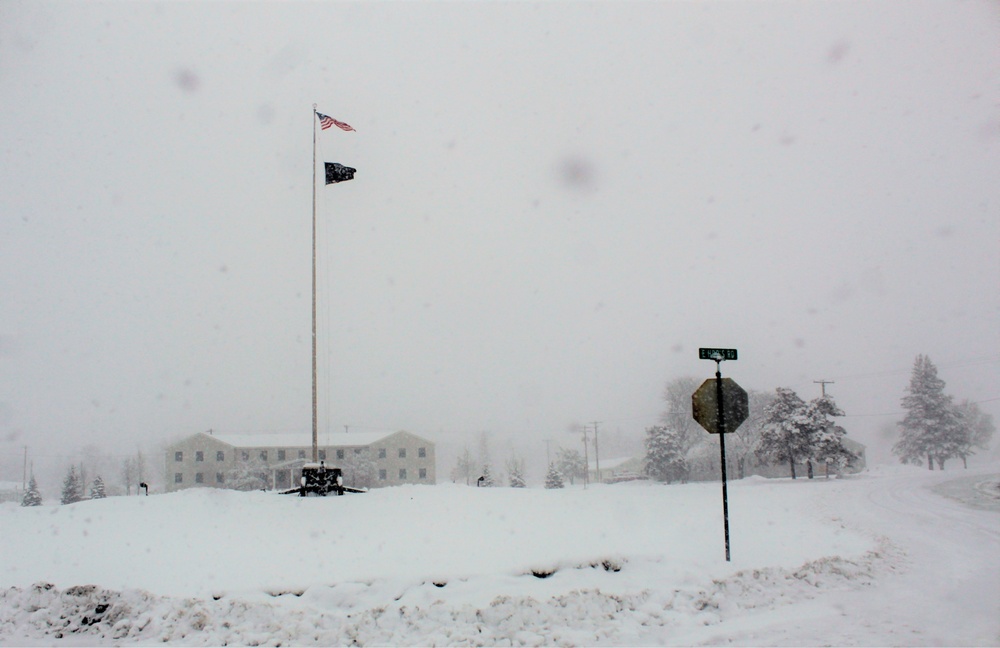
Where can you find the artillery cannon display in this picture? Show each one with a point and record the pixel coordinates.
(322, 480)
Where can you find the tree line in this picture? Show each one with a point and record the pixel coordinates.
(782, 428)
(72, 490)
(77, 485)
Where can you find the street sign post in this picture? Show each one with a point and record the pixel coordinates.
(720, 406)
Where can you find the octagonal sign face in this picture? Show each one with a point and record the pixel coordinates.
(705, 408)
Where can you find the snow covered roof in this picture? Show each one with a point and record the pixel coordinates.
(332, 439)
(610, 464)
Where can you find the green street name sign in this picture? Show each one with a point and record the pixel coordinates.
(717, 354)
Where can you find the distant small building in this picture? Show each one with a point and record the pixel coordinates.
(617, 470)
(11, 491)
(367, 459)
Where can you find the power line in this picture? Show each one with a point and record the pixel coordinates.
(970, 362)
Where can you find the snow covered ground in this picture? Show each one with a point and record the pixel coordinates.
(899, 556)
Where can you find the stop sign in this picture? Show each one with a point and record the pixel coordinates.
(705, 405)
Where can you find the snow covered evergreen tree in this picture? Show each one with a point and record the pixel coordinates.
(516, 478)
(553, 478)
(72, 490)
(515, 471)
(97, 489)
(826, 437)
(977, 430)
(665, 454)
(784, 435)
(930, 428)
(797, 432)
(31, 496)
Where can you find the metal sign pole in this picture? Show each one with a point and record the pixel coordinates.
(722, 450)
(726, 393)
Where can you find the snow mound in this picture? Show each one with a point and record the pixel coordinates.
(324, 616)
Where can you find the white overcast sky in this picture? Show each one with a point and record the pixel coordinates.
(555, 205)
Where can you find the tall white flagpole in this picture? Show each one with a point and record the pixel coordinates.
(315, 417)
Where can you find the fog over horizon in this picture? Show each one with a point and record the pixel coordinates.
(555, 206)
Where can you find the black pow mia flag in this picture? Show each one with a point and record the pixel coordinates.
(338, 172)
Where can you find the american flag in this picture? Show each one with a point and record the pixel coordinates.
(325, 121)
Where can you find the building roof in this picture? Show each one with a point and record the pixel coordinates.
(326, 440)
(610, 464)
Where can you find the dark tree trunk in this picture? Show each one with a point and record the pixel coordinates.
(809, 468)
(791, 463)
(965, 462)
(930, 462)
(940, 461)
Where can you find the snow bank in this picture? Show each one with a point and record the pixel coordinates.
(445, 565)
(418, 616)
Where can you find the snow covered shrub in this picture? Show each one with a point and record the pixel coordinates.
(665, 455)
(97, 489)
(72, 490)
(31, 496)
(554, 479)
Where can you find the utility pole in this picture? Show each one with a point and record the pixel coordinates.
(24, 471)
(597, 452)
(548, 458)
(823, 384)
(586, 459)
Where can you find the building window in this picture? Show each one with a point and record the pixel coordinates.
(340, 453)
(302, 454)
(322, 455)
(199, 456)
(423, 473)
(263, 455)
(357, 451)
(402, 473)
(199, 478)
(381, 474)
(179, 456)
(219, 478)
(402, 453)
(281, 455)
(421, 452)
(178, 478)
(246, 455)
(381, 453)
(220, 455)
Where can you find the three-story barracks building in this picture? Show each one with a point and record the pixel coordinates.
(368, 459)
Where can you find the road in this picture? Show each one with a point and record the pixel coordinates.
(940, 582)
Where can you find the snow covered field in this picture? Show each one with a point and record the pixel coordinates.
(899, 556)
